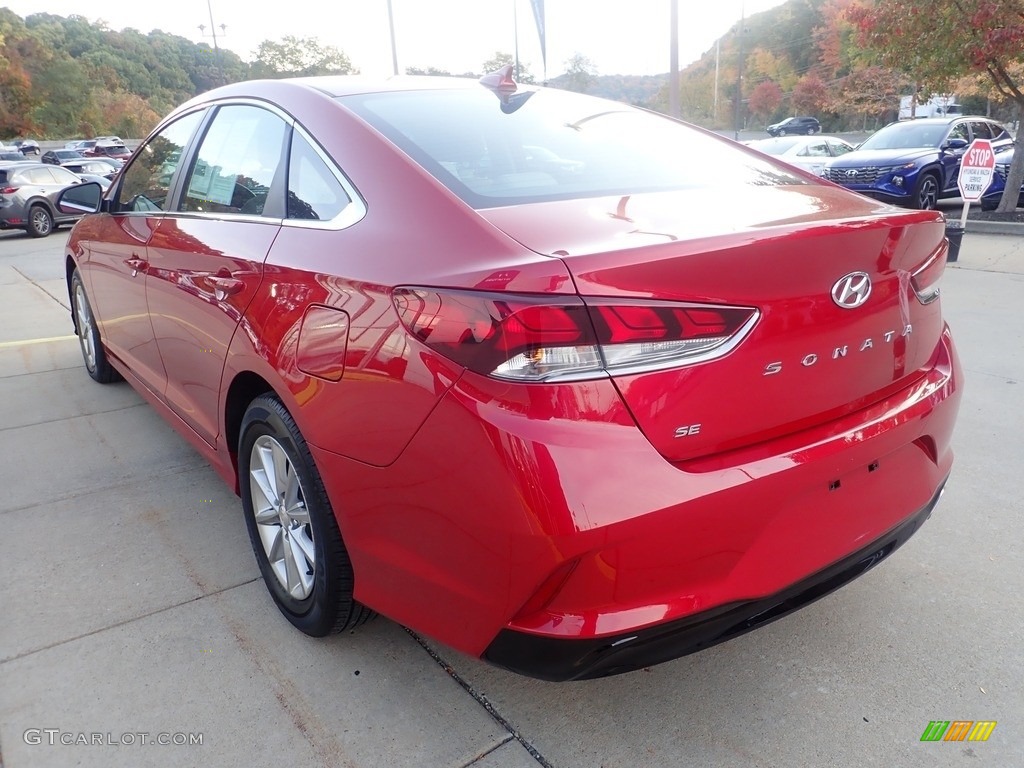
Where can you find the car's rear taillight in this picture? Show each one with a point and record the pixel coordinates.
(8, 190)
(543, 338)
(925, 279)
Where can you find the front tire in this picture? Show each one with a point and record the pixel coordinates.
(93, 353)
(40, 222)
(926, 193)
(291, 524)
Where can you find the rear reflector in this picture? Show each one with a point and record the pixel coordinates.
(564, 338)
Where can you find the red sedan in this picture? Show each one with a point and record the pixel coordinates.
(570, 386)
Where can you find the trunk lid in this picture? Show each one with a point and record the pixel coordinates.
(780, 250)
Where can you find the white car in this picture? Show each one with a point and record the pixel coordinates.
(807, 152)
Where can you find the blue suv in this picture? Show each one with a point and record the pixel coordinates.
(990, 200)
(914, 163)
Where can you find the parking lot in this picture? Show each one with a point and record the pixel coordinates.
(133, 613)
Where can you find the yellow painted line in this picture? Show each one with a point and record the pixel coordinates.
(28, 342)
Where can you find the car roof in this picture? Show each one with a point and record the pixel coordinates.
(342, 85)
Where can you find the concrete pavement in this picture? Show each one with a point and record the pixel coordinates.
(130, 603)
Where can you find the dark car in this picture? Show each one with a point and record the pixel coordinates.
(792, 126)
(27, 146)
(994, 194)
(28, 194)
(914, 163)
(58, 156)
(497, 361)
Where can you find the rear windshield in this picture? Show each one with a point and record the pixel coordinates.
(555, 145)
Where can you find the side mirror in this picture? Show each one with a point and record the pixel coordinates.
(953, 145)
(82, 198)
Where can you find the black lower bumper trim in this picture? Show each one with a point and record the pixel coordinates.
(559, 659)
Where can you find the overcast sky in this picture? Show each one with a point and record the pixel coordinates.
(618, 36)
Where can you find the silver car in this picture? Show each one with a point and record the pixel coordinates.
(27, 194)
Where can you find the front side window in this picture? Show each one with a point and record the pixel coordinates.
(959, 132)
(236, 163)
(146, 181)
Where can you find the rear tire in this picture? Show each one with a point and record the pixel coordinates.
(291, 524)
(40, 222)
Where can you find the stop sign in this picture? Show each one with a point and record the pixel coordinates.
(976, 168)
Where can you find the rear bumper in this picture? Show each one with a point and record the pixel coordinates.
(561, 659)
(561, 544)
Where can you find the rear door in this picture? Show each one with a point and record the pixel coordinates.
(206, 260)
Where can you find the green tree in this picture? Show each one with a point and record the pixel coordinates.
(300, 57)
(501, 59)
(580, 73)
(941, 41)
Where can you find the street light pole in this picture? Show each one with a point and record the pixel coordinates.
(216, 48)
(673, 56)
(739, 72)
(394, 48)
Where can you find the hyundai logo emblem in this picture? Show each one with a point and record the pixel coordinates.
(852, 172)
(852, 290)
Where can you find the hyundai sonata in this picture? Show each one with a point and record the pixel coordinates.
(567, 385)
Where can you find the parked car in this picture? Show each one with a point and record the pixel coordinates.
(58, 156)
(9, 153)
(28, 195)
(103, 181)
(115, 151)
(803, 125)
(82, 145)
(93, 166)
(27, 146)
(914, 163)
(994, 194)
(574, 423)
(807, 152)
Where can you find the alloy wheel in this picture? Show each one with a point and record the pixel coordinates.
(83, 318)
(279, 508)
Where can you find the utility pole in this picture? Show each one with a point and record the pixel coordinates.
(673, 74)
(718, 46)
(739, 73)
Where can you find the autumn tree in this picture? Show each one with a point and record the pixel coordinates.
(765, 99)
(810, 95)
(942, 40)
(873, 92)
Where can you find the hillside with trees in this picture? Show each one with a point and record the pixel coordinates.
(64, 77)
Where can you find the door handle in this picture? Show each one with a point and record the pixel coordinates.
(135, 264)
(224, 286)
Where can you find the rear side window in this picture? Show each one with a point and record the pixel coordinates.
(146, 181)
(314, 193)
(553, 145)
(236, 163)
